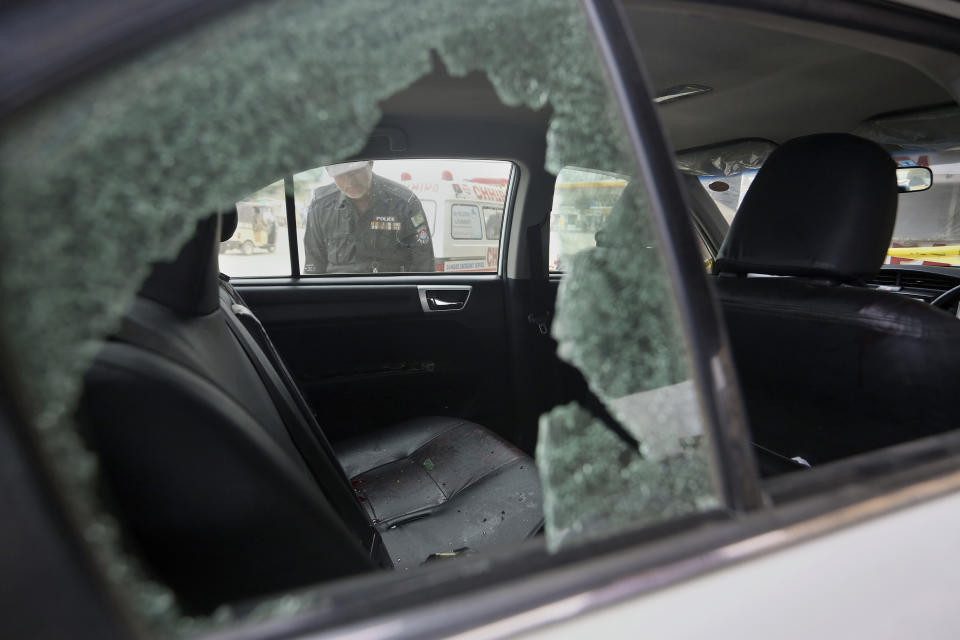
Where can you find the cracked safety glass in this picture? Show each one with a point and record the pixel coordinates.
(111, 174)
(615, 322)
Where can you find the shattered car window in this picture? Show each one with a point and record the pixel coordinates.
(615, 323)
(582, 199)
(110, 176)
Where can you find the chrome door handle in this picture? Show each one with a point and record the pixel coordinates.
(438, 298)
(445, 303)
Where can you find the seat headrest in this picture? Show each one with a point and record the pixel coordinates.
(822, 205)
(228, 224)
(190, 283)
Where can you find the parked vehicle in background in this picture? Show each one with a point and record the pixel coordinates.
(465, 219)
(258, 220)
(256, 229)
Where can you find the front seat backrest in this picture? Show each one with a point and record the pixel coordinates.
(828, 366)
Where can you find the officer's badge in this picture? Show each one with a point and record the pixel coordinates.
(423, 236)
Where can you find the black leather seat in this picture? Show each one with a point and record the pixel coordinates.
(829, 367)
(226, 483)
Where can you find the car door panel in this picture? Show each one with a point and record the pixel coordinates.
(366, 354)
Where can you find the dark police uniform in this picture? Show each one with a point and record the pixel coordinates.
(390, 236)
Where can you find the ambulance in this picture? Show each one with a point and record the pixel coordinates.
(465, 219)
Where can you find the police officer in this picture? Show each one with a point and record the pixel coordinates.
(364, 223)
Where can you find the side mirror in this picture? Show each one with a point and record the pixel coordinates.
(911, 179)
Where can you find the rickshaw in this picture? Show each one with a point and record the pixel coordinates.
(256, 229)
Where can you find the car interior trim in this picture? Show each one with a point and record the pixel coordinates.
(432, 299)
(522, 596)
(741, 551)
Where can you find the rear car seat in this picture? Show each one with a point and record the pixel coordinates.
(225, 481)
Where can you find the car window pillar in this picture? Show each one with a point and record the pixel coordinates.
(711, 362)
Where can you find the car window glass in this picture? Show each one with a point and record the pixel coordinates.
(589, 469)
(428, 207)
(259, 246)
(728, 191)
(112, 175)
(927, 230)
(582, 200)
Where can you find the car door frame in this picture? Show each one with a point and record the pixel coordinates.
(585, 583)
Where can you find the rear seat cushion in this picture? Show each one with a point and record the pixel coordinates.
(439, 484)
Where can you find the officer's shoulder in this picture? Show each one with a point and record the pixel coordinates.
(324, 194)
(395, 189)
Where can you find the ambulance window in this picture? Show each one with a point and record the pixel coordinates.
(465, 222)
(492, 221)
(430, 210)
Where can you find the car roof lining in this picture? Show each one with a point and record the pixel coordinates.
(780, 94)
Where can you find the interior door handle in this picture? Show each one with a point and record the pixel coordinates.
(446, 304)
(444, 297)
